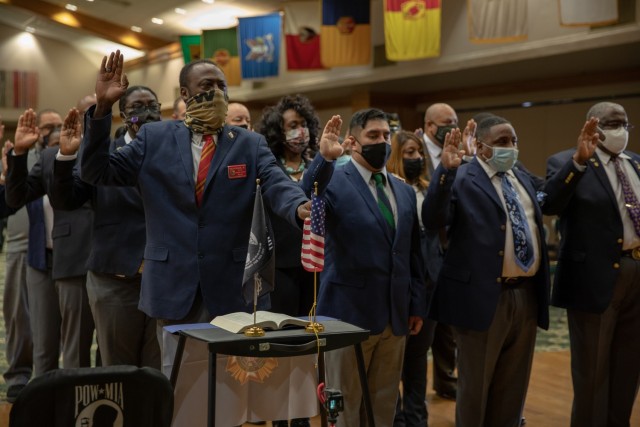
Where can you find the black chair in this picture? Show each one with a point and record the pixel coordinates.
(114, 396)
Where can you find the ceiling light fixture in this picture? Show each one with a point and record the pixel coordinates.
(180, 11)
(208, 1)
(157, 21)
(71, 7)
(30, 30)
(136, 29)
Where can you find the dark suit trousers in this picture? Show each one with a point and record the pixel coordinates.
(126, 335)
(411, 409)
(605, 355)
(15, 308)
(443, 350)
(494, 365)
(60, 317)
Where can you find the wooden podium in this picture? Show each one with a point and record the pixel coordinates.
(281, 343)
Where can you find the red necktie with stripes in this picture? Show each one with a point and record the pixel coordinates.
(208, 149)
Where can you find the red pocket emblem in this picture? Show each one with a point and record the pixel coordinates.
(237, 171)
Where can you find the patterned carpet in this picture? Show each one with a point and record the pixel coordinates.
(556, 338)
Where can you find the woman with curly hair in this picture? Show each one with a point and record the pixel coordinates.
(291, 129)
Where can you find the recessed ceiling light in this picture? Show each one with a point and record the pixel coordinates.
(180, 11)
(90, 1)
(157, 21)
(71, 7)
(30, 30)
(136, 29)
(208, 1)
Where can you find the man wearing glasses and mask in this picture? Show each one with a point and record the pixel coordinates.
(126, 335)
(595, 190)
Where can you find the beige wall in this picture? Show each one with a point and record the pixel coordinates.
(64, 73)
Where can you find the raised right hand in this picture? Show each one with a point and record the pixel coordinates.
(71, 133)
(451, 155)
(587, 141)
(111, 83)
(27, 132)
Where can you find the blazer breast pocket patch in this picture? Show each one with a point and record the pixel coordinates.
(237, 171)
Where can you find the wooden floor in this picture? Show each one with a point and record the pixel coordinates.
(548, 403)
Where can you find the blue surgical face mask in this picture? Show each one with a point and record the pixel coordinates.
(502, 158)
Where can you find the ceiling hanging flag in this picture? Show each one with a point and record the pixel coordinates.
(221, 46)
(588, 12)
(411, 29)
(345, 36)
(302, 33)
(260, 45)
(497, 21)
(190, 48)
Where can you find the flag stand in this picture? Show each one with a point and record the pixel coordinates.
(313, 326)
(255, 331)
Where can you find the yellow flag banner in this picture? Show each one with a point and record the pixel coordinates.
(411, 29)
(497, 21)
(588, 12)
(345, 34)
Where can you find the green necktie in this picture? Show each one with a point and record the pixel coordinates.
(383, 200)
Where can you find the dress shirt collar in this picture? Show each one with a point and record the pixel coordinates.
(366, 173)
(491, 172)
(605, 157)
(435, 151)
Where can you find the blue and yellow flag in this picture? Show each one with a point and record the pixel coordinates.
(221, 46)
(411, 29)
(260, 45)
(345, 36)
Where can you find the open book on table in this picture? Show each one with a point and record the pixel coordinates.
(238, 322)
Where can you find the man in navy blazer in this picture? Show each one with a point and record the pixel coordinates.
(195, 253)
(373, 275)
(598, 275)
(126, 335)
(493, 303)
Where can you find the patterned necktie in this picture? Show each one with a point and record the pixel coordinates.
(630, 199)
(208, 149)
(383, 200)
(522, 242)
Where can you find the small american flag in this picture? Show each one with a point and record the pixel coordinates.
(313, 237)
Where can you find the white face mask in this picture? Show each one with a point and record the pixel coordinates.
(615, 139)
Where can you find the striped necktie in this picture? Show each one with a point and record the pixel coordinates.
(630, 199)
(383, 201)
(208, 149)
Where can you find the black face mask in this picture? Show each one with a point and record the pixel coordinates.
(443, 131)
(376, 154)
(137, 119)
(412, 168)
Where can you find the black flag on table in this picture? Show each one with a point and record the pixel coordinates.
(259, 269)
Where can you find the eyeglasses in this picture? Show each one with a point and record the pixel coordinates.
(615, 125)
(153, 107)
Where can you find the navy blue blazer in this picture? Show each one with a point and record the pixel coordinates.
(591, 232)
(71, 231)
(372, 278)
(191, 249)
(119, 233)
(468, 287)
